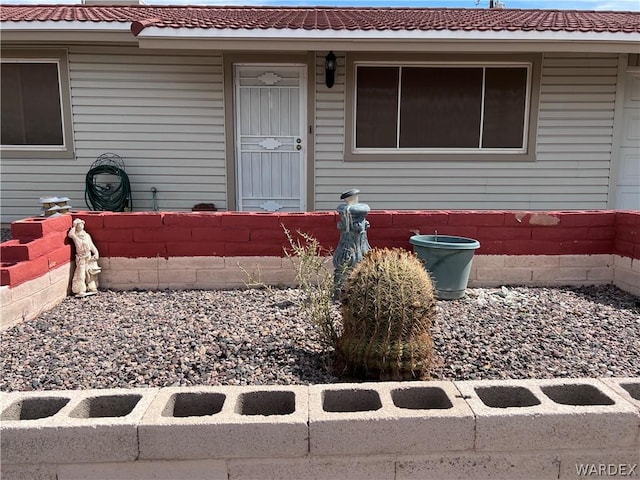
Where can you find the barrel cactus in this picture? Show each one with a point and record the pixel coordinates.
(388, 307)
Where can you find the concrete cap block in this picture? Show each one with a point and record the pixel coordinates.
(32, 406)
(627, 387)
(549, 414)
(72, 426)
(388, 418)
(226, 422)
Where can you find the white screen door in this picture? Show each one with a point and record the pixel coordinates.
(270, 103)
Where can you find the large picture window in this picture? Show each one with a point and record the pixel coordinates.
(461, 109)
(441, 107)
(34, 118)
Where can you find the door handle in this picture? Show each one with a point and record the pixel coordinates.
(298, 147)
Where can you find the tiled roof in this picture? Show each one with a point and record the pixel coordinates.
(331, 18)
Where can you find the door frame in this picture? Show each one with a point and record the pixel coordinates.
(624, 72)
(301, 69)
(306, 59)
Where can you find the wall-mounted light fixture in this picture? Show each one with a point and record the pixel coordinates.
(330, 65)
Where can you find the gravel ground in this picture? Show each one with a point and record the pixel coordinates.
(255, 337)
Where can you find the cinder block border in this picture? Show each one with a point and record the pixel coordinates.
(72, 426)
(549, 414)
(388, 417)
(477, 429)
(226, 422)
(627, 387)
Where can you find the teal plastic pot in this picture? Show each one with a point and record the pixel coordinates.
(448, 259)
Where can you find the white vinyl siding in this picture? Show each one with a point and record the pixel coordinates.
(161, 112)
(571, 169)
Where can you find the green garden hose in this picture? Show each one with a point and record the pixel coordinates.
(107, 197)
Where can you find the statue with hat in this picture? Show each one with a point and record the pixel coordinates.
(85, 276)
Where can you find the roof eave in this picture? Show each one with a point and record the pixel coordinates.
(303, 40)
(62, 32)
(386, 40)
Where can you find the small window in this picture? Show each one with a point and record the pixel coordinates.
(34, 111)
(31, 110)
(459, 109)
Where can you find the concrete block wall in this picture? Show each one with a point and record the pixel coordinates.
(225, 422)
(543, 270)
(82, 425)
(157, 250)
(241, 234)
(388, 418)
(512, 429)
(626, 274)
(35, 268)
(38, 246)
(486, 271)
(196, 272)
(549, 414)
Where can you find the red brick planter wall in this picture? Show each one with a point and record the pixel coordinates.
(40, 244)
(627, 237)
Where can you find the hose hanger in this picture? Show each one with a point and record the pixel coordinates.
(107, 186)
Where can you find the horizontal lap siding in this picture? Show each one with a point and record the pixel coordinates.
(571, 172)
(161, 112)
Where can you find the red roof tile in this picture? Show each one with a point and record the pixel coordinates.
(331, 18)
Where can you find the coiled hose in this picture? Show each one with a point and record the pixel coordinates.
(107, 198)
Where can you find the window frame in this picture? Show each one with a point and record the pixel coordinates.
(526, 153)
(60, 58)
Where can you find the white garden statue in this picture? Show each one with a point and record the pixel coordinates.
(85, 277)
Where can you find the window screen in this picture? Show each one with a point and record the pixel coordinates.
(441, 107)
(30, 109)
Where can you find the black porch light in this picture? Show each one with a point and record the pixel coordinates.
(330, 65)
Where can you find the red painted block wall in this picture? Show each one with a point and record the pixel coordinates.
(627, 236)
(38, 246)
(263, 234)
(38, 227)
(229, 234)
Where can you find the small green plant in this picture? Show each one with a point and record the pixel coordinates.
(254, 278)
(388, 308)
(308, 258)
